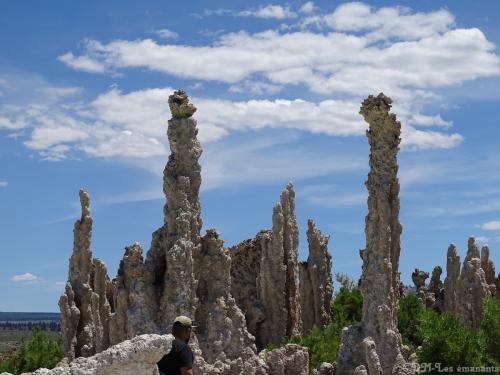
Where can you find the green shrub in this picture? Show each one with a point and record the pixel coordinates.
(40, 351)
(490, 331)
(409, 320)
(447, 341)
(324, 344)
(347, 307)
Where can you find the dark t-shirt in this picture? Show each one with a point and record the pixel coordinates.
(180, 355)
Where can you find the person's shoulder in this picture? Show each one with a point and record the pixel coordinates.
(180, 345)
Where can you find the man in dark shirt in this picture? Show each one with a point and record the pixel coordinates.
(180, 359)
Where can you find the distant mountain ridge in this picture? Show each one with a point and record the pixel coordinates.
(28, 316)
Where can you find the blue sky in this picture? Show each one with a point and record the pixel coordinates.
(83, 91)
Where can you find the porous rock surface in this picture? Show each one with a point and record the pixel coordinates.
(316, 282)
(137, 356)
(375, 345)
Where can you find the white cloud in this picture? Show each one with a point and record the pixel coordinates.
(434, 56)
(166, 34)
(132, 125)
(491, 225)
(83, 63)
(389, 22)
(25, 277)
(256, 88)
(3, 184)
(269, 11)
(307, 7)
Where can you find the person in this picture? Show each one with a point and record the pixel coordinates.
(179, 361)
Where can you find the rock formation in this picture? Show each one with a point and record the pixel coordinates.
(137, 356)
(436, 289)
(432, 296)
(85, 306)
(452, 279)
(221, 330)
(134, 313)
(288, 360)
(465, 289)
(186, 274)
(497, 283)
(472, 288)
(245, 285)
(265, 276)
(375, 346)
(489, 269)
(316, 282)
(418, 277)
(278, 276)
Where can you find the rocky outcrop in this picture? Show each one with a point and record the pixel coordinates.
(375, 346)
(418, 277)
(265, 273)
(432, 296)
(288, 360)
(465, 289)
(472, 289)
(316, 281)
(221, 330)
(137, 356)
(452, 279)
(135, 311)
(436, 289)
(186, 274)
(489, 269)
(497, 283)
(85, 307)
(245, 285)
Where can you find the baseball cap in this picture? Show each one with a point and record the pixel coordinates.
(184, 321)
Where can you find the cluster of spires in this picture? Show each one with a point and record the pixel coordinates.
(248, 296)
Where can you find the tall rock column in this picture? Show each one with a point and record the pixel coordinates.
(452, 279)
(170, 259)
(489, 268)
(84, 305)
(272, 282)
(278, 287)
(291, 253)
(316, 281)
(380, 277)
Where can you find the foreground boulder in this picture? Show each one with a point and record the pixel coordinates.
(132, 357)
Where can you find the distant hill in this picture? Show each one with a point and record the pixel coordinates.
(28, 316)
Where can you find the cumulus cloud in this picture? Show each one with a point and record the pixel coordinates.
(166, 34)
(3, 184)
(132, 125)
(428, 54)
(389, 22)
(83, 63)
(491, 225)
(307, 7)
(25, 277)
(269, 11)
